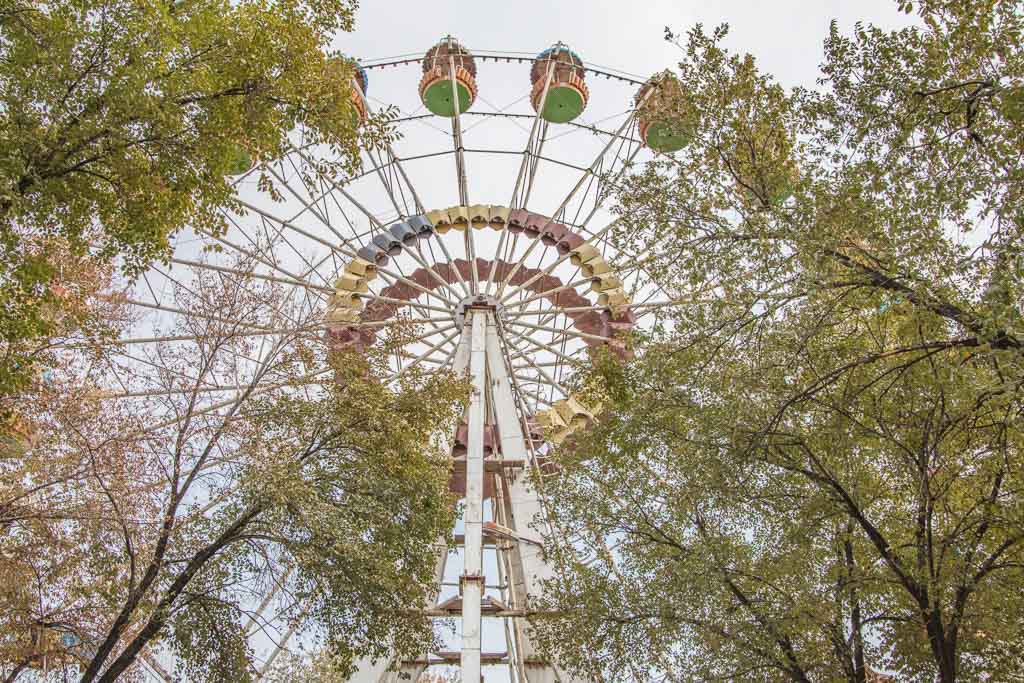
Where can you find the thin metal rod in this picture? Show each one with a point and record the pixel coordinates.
(539, 345)
(593, 166)
(562, 259)
(533, 133)
(538, 367)
(426, 353)
(258, 276)
(182, 311)
(560, 332)
(537, 156)
(403, 302)
(349, 252)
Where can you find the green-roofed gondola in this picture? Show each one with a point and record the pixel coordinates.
(448, 68)
(567, 94)
(663, 117)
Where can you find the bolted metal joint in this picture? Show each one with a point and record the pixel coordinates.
(481, 302)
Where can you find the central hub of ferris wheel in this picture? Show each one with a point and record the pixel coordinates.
(482, 302)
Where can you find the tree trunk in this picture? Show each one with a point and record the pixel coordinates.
(942, 649)
(859, 668)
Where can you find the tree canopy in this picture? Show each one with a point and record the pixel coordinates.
(813, 469)
(122, 121)
(133, 528)
(137, 525)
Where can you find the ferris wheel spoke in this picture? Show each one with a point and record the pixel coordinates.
(471, 257)
(535, 163)
(515, 269)
(497, 254)
(192, 411)
(384, 272)
(545, 364)
(538, 345)
(309, 205)
(403, 302)
(460, 156)
(444, 362)
(594, 165)
(460, 174)
(542, 382)
(536, 367)
(458, 273)
(559, 332)
(272, 260)
(251, 625)
(397, 161)
(117, 352)
(395, 278)
(601, 197)
(551, 267)
(374, 221)
(401, 211)
(291, 280)
(349, 253)
(537, 398)
(554, 312)
(281, 646)
(418, 257)
(429, 360)
(544, 295)
(252, 389)
(161, 339)
(271, 263)
(547, 311)
(419, 359)
(529, 151)
(289, 223)
(408, 321)
(153, 665)
(434, 331)
(201, 389)
(394, 158)
(168, 277)
(190, 314)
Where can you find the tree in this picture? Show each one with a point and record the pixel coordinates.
(120, 123)
(813, 470)
(160, 520)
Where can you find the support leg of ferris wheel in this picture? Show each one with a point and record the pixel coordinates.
(492, 405)
(522, 509)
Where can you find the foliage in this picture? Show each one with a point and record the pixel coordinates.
(159, 522)
(813, 470)
(120, 121)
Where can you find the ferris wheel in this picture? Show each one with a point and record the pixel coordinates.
(485, 227)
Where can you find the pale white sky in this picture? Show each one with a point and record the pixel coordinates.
(785, 35)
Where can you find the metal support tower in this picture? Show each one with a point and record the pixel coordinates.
(495, 469)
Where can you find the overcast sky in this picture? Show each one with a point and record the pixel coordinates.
(784, 35)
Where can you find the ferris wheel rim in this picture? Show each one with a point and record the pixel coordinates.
(540, 382)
